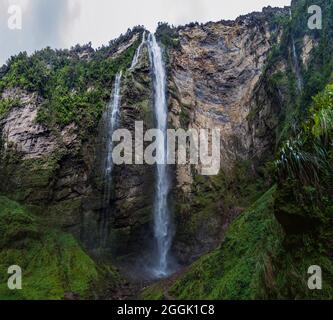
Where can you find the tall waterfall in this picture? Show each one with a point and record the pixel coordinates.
(111, 124)
(162, 221)
(296, 66)
(138, 51)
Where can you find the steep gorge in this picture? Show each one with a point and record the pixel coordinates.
(237, 76)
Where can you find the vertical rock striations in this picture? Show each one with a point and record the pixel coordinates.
(215, 73)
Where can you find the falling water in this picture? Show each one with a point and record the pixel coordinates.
(138, 51)
(112, 121)
(297, 69)
(162, 222)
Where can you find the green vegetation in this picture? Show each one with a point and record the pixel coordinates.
(320, 68)
(229, 191)
(80, 90)
(255, 261)
(52, 262)
(303, 201)
(168, 35)
(29, 179)
(291, 106)
(273, 236)
(305, 164)
(267, 251)
(75, 84)
(233, 270)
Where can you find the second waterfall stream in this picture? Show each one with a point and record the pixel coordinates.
(163, 232)
(112, 122)
(160, 265)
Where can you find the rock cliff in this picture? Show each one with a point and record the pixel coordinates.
(227, 75)
(215, 76)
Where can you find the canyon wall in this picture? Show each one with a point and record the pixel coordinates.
(218, 76)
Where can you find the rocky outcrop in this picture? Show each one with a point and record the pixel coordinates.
(42, 165)
(22, 132)
(53, 169)
(215, 75)
(217, 78)
(308, 45)
(133, 185)
(125, 45)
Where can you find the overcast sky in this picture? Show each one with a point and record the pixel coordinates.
(63, 23)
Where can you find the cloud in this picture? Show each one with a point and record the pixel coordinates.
(44, 23)
(64, 23)
(45, 19)
(102, 20)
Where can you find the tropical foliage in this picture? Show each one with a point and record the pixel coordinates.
(75, 84)
(307, 157)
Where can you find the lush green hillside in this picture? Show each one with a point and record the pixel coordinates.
(75, 84)
(258, 258)
(232, 271)
(52, 262)
(265, 219)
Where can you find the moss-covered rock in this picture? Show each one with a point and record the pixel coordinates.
(255, 261)
(52, 262)
(232, 271)
(203, 216)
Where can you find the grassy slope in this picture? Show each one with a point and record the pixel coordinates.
(250, 264)
(52, 262)
(231, 272)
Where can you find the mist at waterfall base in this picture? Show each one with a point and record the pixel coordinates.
(163, 227)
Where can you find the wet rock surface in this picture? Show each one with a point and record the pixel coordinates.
(215, 80)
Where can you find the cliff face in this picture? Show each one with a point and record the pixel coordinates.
(252, 78)
(32, 155)
(214, 72)
(134, 184)
(53, 166)
(217, 77)
(283, 229)
(58, 170)
(217, 80)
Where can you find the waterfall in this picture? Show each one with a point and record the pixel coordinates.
(162, 221)
(295, 62)
(111, 124)
(138, 51)
(296, 66)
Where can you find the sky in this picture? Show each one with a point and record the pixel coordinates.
(64, 23)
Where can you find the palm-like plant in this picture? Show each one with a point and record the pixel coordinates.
(323, 125)
(306, 157)
(298, 163)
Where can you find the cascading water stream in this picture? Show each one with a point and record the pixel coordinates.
(162, 221)
(112, 122)
(138, 51)
(297, 69)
